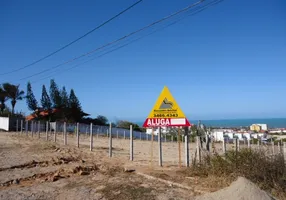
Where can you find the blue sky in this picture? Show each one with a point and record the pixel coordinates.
(228, 61)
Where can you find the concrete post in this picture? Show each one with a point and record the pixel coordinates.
(21, 127)
(32, 128)
(224, 146)
(47, 130)
(187, 155)
(160, 146)
(110, 140)
(55, 132)
(65, 133)
(77, 134)
(17, 125)
(39, 127)
(27, 127)
(91, 138)
(131, 142)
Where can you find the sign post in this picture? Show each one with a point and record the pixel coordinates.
(166, 113)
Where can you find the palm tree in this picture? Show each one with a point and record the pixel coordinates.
(14, 94)
(3, 98)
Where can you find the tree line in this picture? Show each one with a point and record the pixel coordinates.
(55, 104)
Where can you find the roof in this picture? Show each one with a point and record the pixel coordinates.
(43, 113)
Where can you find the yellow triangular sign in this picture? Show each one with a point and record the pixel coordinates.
(164, 109)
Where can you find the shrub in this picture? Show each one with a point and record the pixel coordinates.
(267, 171)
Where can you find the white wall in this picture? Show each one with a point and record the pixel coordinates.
(4, 123)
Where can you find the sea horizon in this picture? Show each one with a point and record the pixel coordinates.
(271, 122)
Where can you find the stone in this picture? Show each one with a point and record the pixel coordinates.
(16, 181)
(83, 173)
(129, 169)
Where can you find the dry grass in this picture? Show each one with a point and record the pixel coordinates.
(268, 172)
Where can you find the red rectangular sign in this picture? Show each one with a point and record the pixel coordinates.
(162, 122)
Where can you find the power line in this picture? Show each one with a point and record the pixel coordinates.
(193, 12)
(117, 40)
(74, 41)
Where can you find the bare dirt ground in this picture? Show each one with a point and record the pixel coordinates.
(33, 168)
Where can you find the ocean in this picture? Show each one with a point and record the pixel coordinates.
(271, 122)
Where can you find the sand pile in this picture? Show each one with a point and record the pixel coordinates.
(241, 189)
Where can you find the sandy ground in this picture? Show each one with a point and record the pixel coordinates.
(33, 168)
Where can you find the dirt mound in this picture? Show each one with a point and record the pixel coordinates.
(241, 189)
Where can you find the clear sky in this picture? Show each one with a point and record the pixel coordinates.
(228, 61)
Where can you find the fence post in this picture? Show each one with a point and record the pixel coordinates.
(27, 127)
(39, 127)
(172, 138)
(47, 130)
(165, 137)
(278, 146)
(199, 148)
(160, 146)
(258, 144)
(284, 151)
(32, 128)
(273, 147)
(187, 155)
(107, 133)
(179, 145)
(65, 133)
(55, 132)
(238, 144)
(77, 134)
(124, 135)
(110, 140)
(248, 143)
(131, 142)
(224, 146)
(91, 137)
(17, 125)
(21, 127)
(140, 136)
(117, 134)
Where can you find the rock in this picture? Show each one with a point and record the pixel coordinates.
(101, 187)
(129, 169)
(83, 161)
(83, 173)
(16, 181)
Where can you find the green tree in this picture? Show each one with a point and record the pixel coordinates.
(3, 99)
(64, 97)
(14, 94)
(55, 95)
(101, 120)
(32, 102)
(45, 100)
(75, 110)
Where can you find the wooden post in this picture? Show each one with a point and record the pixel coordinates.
(65, 133)
(91, 138)
(140, 136)
(131, 142)
(238, 144)
(47, 130)
(124, 135)
(110, 140)
(172, 138)
(117, 134)
(165, 135)
(273, 147)
(179, 146)
(160, 146)
(248, 143)
(278, 146)
(77, 134)
(258, 144)
(107, 133)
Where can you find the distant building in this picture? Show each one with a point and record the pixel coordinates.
(258, 127)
